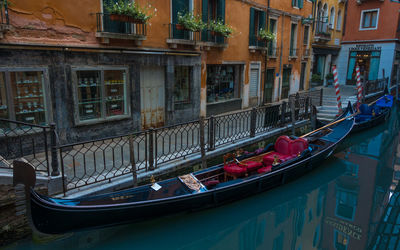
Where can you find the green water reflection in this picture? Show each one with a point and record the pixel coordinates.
(337, 206)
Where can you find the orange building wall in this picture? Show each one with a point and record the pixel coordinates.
(387, 23)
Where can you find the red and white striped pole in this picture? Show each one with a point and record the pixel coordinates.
(335, 78)
(359, 86)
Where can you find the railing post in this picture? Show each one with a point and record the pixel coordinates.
(211, 133)
(321, 96)
(283, 113)
(253, 120)
(306, 107)
(313, 117)
(202, 144)
(54, 155)
(132, 160)
(293, 115)
(151, 149)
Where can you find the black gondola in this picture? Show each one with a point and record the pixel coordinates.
(210, 187)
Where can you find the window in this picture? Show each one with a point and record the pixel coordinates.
(339, 20)
(222, 82)
(257, 22)
(293, 40)
(27, 102)
(272, 44)
(332, 19)
(212, 10)
(369, 19)
(341, 240)
(100, 94)
(306, 34)
(297, 3)
(346, 203)
(182, 84)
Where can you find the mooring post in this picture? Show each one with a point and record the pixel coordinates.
(132, 160)
(211, 133)
(151, 149)
(253, 120)
(202, 144)
(364, 86)
(293, 115)
(54, 155)
(306, 107)
(283, 113)
(313, 117)
(321, 96)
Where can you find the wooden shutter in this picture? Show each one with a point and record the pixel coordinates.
(221, 10)
(294, 3)
(251, 28)
(253, 90)
(300, 4)
(204, 13)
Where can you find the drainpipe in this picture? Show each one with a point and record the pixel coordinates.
(280, 58)
(266, 54)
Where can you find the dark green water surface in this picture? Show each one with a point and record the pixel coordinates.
(340, 205)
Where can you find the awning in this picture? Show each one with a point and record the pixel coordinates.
(325, 51)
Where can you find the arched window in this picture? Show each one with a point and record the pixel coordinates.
(339, 20)
(332, 18)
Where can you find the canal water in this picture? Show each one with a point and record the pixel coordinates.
(340, 205)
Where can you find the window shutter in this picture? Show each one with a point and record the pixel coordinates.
(294, 3)
(300, 4)
(261, 19)
(221, 10)
(252, 38)
(204, 17)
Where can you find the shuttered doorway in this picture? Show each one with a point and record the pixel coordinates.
(152, 96)
(254, 84)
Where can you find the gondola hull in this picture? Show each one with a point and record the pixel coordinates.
(50, 217)
(375, 121)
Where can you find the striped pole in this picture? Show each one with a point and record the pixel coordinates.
(359, 86)
(335, 78)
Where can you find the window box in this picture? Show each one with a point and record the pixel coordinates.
(100, 94)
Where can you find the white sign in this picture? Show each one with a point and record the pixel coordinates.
(337, 41)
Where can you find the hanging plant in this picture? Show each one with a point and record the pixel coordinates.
(128, 12)
(266, 35)
(189, 21)
(219, 28)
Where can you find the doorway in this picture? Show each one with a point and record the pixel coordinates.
(269, 85)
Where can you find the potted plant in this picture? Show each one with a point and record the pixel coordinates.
(329, 78)
(266, 35)
(217, 27)
(128, 12)
(189, 21)
(316, 79)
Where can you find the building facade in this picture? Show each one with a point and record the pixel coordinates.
(371, 41)
(328, 16)
(93, 75)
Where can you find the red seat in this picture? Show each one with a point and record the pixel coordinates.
(282, 145)
(251, 165)
(264, 170)
(268, 159)
(235, 170)
(298, 146)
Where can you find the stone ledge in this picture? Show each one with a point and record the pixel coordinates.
(106, 36)
(173, 43)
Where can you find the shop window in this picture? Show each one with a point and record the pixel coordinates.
(27, 93)
(222, 82)
(369, 19)
(368, 61)
(100, 94)
(182, 75)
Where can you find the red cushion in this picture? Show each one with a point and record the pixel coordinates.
(264, 169)
(268, 159)
(297, 146)
(252, 165)
(235, 170)
(282, 145)
(211, 183)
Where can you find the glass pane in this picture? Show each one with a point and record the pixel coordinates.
(221, 83)
(3, 97)
(373, 19)
(181, 88)
(115, 92)
(28, 93)
(89, 95)
(366, 20)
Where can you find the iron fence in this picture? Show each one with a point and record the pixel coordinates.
(316, 96)
(376, 85)
(20, 139)
(106, 23)
(257, 42)
(213, 37)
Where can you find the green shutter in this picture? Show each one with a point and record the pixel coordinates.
(300, 4)
(252, 39)
(204, 13)
(261, 25)
(221, 10)
(294, 3)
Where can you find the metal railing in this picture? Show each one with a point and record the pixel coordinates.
(316, 96)
(4, 13)
(211, 36)
(255, 41)
(322, 29)
(35, 143)
(176, 31)
(293, 52)
(376, 85)
(94, 161)
(105, 23)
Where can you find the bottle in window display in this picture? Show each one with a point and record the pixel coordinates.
(93, 89)
(83, 89)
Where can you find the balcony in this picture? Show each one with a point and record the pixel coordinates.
(293, 53)
(257, 44)
(212, 39)
(4, 21)
(110, 29)
(322, 32)
(272, 52)
(179, 35)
